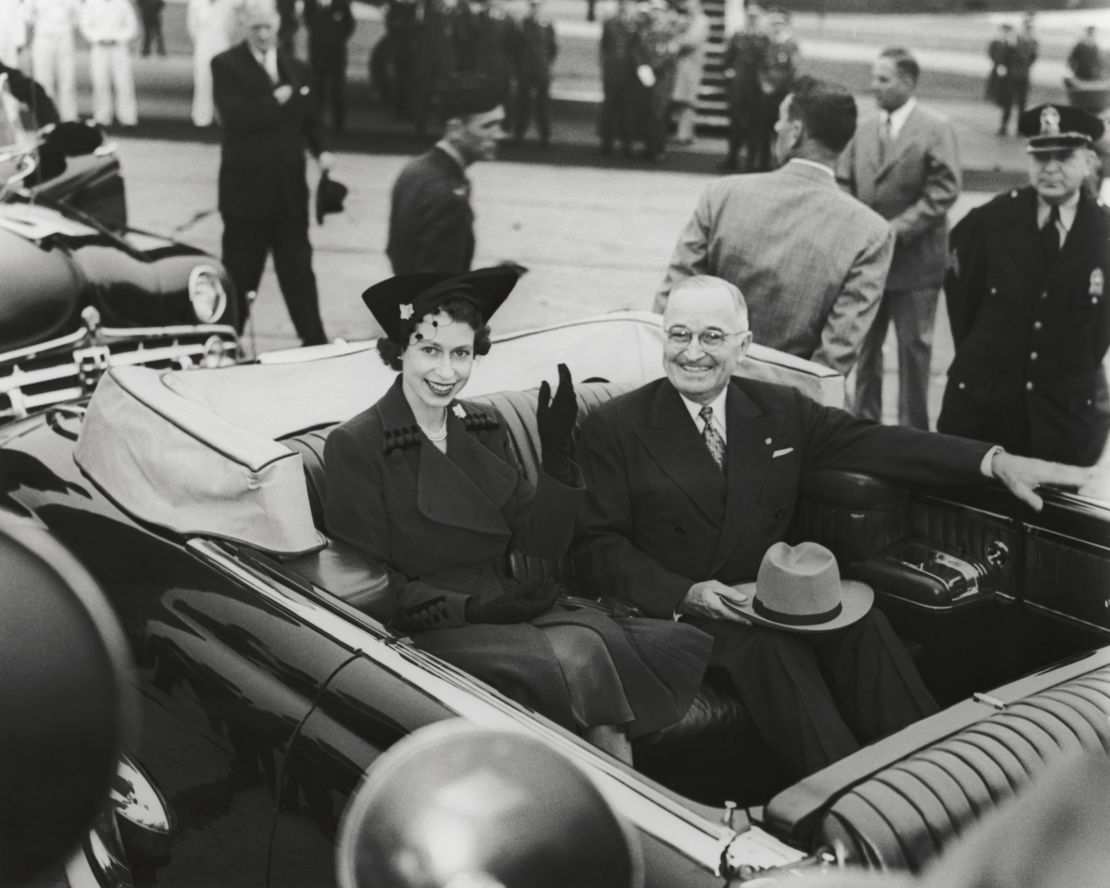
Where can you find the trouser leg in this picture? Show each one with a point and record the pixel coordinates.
(877, 688)
(778, 678)
(914, 315)
(866, 399)
(522, 119)
(245, 244)
(67, 80)
(543, 112)
(99, 70)
(293, 264)
(339, 95)
(204, 111)
(123, 81)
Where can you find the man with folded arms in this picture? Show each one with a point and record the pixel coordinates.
(693, 477)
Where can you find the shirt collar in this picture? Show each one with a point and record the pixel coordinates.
(718, 405)
(817, 165)
(1068, 210)
(899, 116)
(452, 152)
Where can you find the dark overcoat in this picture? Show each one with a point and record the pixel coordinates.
(262, 162)
(660, 516)
(431, 223)
(443, 524)
(1029, 339)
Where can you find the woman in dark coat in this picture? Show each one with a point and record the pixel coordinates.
(429, 486)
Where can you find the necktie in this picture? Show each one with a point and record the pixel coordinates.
(886, 138)
(712, 437)
(1050, 237)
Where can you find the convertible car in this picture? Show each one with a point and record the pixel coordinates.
(270, 680)
(79, 289)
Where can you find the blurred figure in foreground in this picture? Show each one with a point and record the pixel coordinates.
(536, 819)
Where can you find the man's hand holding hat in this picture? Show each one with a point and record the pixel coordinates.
(708, 599)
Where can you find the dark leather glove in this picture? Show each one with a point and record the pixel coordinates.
(517, 604)
(555, 423)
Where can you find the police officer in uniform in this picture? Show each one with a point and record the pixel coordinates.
(1026, 293)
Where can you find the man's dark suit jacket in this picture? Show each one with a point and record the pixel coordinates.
(659, 516)
(431, 224)
(262, 164)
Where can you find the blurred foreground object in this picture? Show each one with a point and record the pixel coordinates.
(467, 807)
(63, 703)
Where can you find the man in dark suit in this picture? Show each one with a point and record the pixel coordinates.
(431, 223)
(268, 118)
(691, 478)
(330, 24)
(903, 164)
(1027, 300)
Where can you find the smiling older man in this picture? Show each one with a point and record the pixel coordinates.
(693, 477)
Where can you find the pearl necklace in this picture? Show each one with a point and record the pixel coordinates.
(436, 437)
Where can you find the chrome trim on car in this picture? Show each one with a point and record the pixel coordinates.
(68, 367)
(649, 809)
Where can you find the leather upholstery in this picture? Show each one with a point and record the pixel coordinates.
(895, 805)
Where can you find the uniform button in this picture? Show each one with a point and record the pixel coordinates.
(994, 289)
(1044, 294)
(961, 386)
(1032, 356)
(1037, 325)
(1029, 386)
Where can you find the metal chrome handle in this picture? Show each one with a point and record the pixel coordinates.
(998, 553)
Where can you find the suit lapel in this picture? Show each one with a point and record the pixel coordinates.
(1080, 245)
(252, 67)
(672, 439)
(749, 465)
(1021, 240)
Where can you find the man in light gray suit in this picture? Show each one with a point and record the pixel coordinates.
(903, 163)
(810, 259)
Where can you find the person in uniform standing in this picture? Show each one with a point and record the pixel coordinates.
(536, 48)
(655, 54)
(618, 79)
(265, 104)
(777, 72)
(150, 13)
(53, 51)
(431, 223)
(443, 45)
(1000, 86)
(210, 24)
(1027, 300)
(903, 163)
(1085, 60)
(109, 26)
(742, 62)
(688, 69)
(330, 24)
(491, 47)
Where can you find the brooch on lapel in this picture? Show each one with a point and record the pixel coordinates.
(1095, 288)
(462, 191)
(459, 411)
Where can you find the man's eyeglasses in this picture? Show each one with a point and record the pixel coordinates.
(710, 339)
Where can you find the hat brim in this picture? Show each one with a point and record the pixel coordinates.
(1046, 144)
(856, 599)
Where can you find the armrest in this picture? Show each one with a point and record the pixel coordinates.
(850, 490)
(348, 574)
(855, 515)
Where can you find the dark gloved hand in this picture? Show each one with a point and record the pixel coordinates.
(555, 423)
(517, 604)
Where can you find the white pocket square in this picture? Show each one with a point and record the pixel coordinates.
(782, 452)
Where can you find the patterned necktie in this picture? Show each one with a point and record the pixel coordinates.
(1050, 237)
(886, 138)
(712, 437)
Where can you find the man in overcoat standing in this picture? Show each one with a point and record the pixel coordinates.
(330, 24)
(810, 259)
(431, 223)
(691, 478)
(903, 164)
(269, 121)
(1027, 300)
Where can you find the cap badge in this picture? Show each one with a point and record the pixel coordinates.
(1050, 121)
(406, 311)
(1097, 284)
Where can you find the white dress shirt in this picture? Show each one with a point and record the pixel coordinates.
(898, 116)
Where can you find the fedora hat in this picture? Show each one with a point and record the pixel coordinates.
(799, 589)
